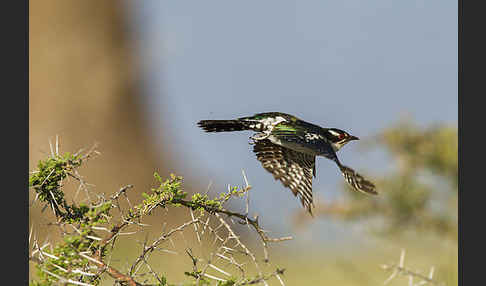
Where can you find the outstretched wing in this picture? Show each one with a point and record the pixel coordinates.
(294, 169)
(357, 181)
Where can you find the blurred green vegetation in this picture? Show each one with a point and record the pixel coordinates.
(420, 195)
(416, 210)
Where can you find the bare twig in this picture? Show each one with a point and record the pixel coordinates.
(400, 269)
(153, 246)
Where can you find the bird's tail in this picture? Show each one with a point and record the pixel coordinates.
(357, 181)
(223, 125)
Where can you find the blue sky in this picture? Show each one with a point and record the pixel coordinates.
(354, 65)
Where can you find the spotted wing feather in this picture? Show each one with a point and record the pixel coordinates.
(294, 169)
(357, 181)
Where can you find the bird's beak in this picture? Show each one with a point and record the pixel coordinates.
(353, 138)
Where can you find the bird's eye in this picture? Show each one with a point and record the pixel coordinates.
(341, 136)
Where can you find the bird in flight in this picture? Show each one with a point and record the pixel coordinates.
(287, 147)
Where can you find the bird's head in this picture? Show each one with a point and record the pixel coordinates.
(338, 138)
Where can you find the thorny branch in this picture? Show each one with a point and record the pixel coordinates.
(153, 246)
(214, 225)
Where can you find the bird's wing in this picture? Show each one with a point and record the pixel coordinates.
(294, 169)
(357, 181)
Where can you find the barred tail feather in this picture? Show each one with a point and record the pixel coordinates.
(222, 125)
(357, 181)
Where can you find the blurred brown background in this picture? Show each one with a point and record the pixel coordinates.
(83, 88)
